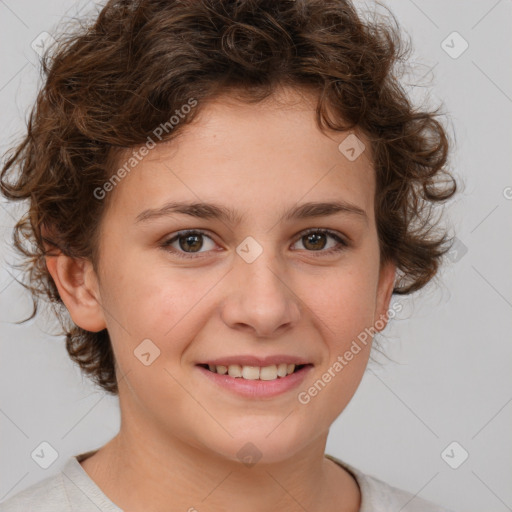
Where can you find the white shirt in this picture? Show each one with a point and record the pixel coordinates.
(72, 490)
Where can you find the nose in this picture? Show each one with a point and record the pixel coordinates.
(260, 299)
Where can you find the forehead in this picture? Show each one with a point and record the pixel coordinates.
(253, 156)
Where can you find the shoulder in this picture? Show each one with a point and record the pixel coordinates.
(48, 495)
(378, 496)
(71, 490)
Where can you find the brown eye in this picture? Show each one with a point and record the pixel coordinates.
(190, 243)
(316, 240)
(186, 244)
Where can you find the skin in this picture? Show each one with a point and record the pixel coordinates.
(179, 434)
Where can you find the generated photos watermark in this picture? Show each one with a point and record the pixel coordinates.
(159, 133)
(305, 396)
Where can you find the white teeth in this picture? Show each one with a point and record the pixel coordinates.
(234, 370)
(268, 372)
(282, 370)
(221, 369)
(250, 372)
(271, 372)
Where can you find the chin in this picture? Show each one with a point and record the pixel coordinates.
(255, 446)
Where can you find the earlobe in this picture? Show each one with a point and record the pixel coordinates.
(77, 284)
(384, 293)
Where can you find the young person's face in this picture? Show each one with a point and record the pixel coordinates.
(254, 287)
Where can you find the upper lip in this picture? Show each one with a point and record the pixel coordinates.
(250, 360)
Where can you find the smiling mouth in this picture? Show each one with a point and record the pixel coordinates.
(271, 372)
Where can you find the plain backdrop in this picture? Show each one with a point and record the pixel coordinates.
(436, 421)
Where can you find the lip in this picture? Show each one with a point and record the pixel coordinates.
(257, 389)
(250, 360)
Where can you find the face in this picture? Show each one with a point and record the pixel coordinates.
(259, 280)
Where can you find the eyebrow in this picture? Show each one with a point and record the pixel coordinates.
(215, 211)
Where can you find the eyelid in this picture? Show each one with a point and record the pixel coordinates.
(166, 244)
(335, 234)
(341, 239)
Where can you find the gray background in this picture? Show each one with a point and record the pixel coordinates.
(451, 379)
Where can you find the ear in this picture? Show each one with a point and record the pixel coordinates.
(384, 293)
(77, 284)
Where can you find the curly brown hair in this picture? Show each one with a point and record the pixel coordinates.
(110, 83)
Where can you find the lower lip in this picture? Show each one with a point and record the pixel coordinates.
(257, 388)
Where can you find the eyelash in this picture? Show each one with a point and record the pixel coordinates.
(166, 244)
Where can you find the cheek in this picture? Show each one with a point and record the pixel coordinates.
(166, 307)
(343, 312)
(343, 302)
(152, 299)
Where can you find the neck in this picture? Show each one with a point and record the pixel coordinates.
(140, 473)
